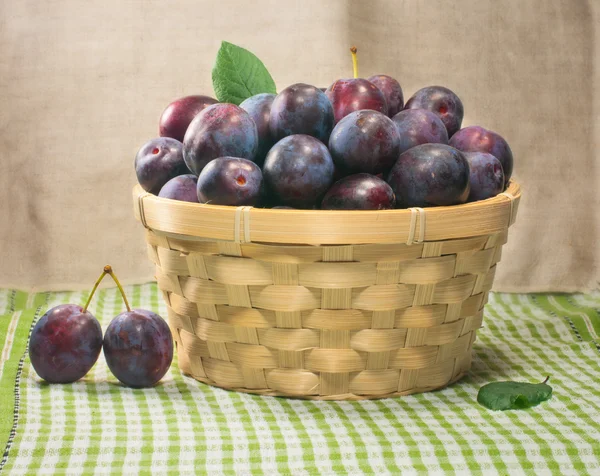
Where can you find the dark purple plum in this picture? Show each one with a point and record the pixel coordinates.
(392, 91)
(181, 188)
(220, 130)
(158, 161)
(138, 347)
(442, 102)
(298, 170)
(418, 126)
(486, 177)
(430, 175)
(176, 118)
(230, 181)
(365, 141)
(301, 109)
(359, 192)
(65, 344)
(350, 95)
(478, 139)
(259, 108)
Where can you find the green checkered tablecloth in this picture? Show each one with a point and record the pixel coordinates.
(185, 427)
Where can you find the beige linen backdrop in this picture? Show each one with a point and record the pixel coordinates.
(82, 85)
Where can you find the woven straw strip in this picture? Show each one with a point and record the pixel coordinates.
(512, 198)
(367, 340)
(414, 213)
(140, 203)
(376, 382)
(305, 384)
(237, 224)
(239, 227)
(333, 227)
(375, 253)
(233, 270)
(337, 319)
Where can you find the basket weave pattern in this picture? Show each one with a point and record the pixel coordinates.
(348, 321)
(340, 321)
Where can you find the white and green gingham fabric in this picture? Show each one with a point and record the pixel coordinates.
(97, 426)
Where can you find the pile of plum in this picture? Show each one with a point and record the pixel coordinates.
(352, 146)
(66, 341)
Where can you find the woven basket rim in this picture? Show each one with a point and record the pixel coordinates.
(322, 227)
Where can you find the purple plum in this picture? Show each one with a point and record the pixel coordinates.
(478, 139)
(350, 95)
(301, 109)
(181, 188)
(298, 171)
(65, 344)
(259, 108)
(442, 102)
(157, 162)
(359, 192)
(230, 181)
(176, 118)
(365, 141)
(392, 91)
(429, 175)
(418, 126)
(486, 177)
(138, 347)
(220, 130)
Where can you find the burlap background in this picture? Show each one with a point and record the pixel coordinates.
(82, 85)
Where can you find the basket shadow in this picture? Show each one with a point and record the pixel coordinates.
(490, 364)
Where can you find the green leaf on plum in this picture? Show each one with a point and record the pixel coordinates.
(513, 395)
(239, 74)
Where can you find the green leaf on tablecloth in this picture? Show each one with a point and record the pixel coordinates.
(239, 74)
(513, 395)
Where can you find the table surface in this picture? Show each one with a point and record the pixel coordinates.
(185, 427)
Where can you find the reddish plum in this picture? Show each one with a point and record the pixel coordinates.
(478, 139)
(486, 176)
(365, 141)
(442, 102)
(230, 181)
(350, 95)
(418, 126)
(219, 130)
(181, 188)
(359, 192)
(157, 162)
(259, 108)
(298, 170)
(65, 344)
(301, 109)
(429, 175)
(392, 91)
(176, 118)
(138, 347)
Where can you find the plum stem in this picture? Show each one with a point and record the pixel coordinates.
(108, 270)
(353, 50)
(547, 378)
(89, 300)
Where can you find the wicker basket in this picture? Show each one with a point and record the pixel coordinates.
(325, 304)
